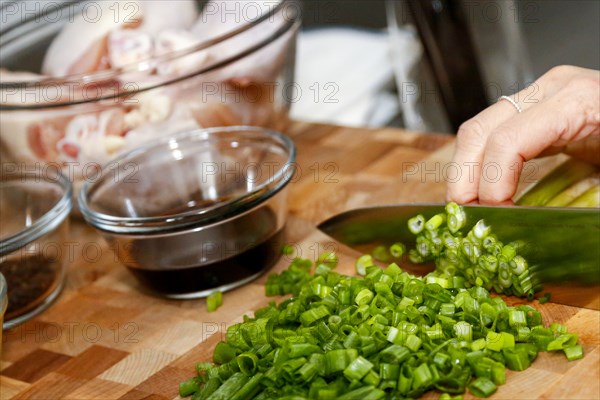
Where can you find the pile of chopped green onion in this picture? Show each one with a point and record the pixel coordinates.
(478, 258)
(388, 334)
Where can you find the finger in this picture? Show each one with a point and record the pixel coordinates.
(474, 134)
(471, 141)
(567, 116)
(587, 149)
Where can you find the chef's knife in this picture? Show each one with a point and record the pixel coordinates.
(561, 245)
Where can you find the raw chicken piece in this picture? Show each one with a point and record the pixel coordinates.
(39, 141)
(93, 137)
(153, 106)
(78, 130)
(127, 46)
(87, 134)
(181, 119)
(87, 44)
(21, 132)
(219, 18)
(82, 46)
(171, 40)
(111, 122)
(167, 14)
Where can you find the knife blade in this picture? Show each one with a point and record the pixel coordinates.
(561, 245)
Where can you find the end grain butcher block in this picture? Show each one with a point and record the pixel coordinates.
(105, 339)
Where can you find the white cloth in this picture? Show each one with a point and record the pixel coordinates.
(343, 74)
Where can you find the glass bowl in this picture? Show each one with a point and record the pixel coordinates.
(78, 122)
(197, 212)
(34, 206)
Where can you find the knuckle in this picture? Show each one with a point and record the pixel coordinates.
(492, 194)
(460, 195)
(502, 138)
(584, 85)
(578, 104)
(560, 72)
(471, 133)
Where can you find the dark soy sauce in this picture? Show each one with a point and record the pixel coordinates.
(197, 261)
(202, 277)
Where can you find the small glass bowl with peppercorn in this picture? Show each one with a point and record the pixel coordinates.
(34, 206)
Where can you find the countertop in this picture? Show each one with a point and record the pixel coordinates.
(106, 339)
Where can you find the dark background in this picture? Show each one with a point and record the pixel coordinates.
(556, 31)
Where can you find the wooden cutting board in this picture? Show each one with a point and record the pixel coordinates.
(105, 339)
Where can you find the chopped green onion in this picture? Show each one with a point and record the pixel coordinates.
(574, 352)
(365, 296)
(362, 263)
(214, 301)
(358, 368)
(516, 359)
(309, 317)
(413, 342)
(231, 386)
(562, 341)
(517, 318)
(481, 230)
(422, 377)
(482, 387)
(250, 388)
(463, 331)
(338, 360)
(363, 393)
(397, 250)
(287, 250)
(395, 354)
(208, 389)
(545, 298)
(456, 217)
(223, 353)
(380, 253)
(328, 258)
(435, 222)
(389, 371)
(189, 387)
(247, 362)
(416, 224)
(499, 341)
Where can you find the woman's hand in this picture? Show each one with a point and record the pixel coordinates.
(560, 112)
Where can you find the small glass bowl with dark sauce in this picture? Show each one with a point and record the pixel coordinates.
(34, 209)
(196, 212)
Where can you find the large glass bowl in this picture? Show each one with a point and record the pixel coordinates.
(242, 77)
(3, 304)
(34, 210)
(196, 212)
